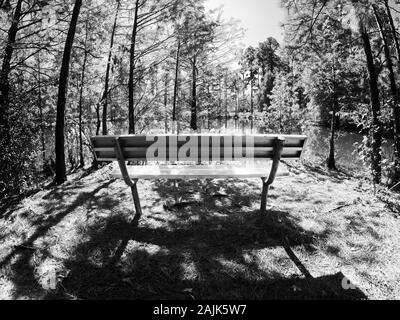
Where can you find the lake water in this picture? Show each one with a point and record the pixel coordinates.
(317, 149)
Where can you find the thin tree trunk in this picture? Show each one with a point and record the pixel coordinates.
(226, 101)
(237, 111)
(166, 84)
(176, 84)
(131, 72)
(219, 103)
(98, 120)
(331, 163)
(107, 79)
(251, 102)
(331, 159)
(40, 106)
(244, 94)
(61, 174)
(193, 118)
(251, 94)
(208, 110)
(394, 32)
(376, 129)
(181, 101)
(5, 72)
(81, 157)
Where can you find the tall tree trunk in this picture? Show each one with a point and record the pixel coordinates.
(244, 93)
(166, 84)
(40, 106)
(105, 96)
(5, 72)
(251, 102)
(131, 72)
(226, 100)
(219, 102)
(176, 84)
(331, 163)
(81, 157)
(98, 120)
(376, 129)
(251, 94)
(394, 92)
(61, 172)
(208, 110)
(193, 118)
(237, 111)
(394, 32)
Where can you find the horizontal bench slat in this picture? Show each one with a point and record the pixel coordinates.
(130, 149)
(143, 141)
(199, 172)
(258, 154)
(292, 158)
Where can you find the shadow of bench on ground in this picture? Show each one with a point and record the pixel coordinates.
(182, 258)
(149, 263)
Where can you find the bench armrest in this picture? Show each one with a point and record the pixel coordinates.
(122, 164)
(278, 148)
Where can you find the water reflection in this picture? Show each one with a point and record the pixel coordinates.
(317, 148)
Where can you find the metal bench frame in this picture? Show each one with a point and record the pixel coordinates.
(266, 183)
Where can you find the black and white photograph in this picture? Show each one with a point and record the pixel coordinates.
(200, 155)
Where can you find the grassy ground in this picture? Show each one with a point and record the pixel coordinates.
(81, 240)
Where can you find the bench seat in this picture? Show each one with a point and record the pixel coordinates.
(240, 157)
(200, 172)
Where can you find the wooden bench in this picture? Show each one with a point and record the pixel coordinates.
(210, 157)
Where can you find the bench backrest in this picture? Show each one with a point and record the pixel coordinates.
(196, 147)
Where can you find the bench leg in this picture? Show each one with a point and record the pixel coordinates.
(136, 201)
(264, 197)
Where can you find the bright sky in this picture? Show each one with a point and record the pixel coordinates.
(261, 18)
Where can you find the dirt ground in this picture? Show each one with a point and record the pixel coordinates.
(326, 236)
